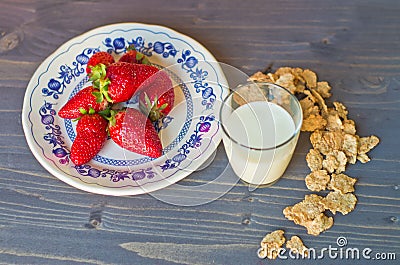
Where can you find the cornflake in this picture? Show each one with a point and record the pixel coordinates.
(311, 78)
(334, 123)
(271, 244)
(287, 81)
(335, 161)
(319, 224)
(342, 183)
(341, 110)
(324, 89)
(296, 245)
(260, 77)
(309, 213)
(313, 122)
(314, 160)
(367, 143)
(335, 201)
(327, 142)
(317, 180)
(305, 210)
(350, 147)
(349, 127)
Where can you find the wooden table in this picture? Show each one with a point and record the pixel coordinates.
(354, 45)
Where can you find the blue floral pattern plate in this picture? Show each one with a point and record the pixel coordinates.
(190, 133)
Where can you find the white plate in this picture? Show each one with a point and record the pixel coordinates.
(189, 134)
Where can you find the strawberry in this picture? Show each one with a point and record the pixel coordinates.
(82, 101)
(132, 130)
(123, 79)
(97, 58)
(157, 96)
(133, 56)
(91, 135)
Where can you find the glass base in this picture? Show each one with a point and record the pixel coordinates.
(254, 186)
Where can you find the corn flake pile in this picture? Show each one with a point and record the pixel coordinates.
(335, 144)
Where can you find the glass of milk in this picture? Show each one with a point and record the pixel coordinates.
(261, 124)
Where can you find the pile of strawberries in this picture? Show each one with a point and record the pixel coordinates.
(98, 113)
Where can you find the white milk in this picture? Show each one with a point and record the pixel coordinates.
(261, 125)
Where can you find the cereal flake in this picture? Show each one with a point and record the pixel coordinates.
(341, 110)
(335, 201)
(296, 245)
(306, 210)
(271, 244)
(314, 159)
(311, 78)
(261, 77)
(350, 147)
(317, 180)
(349, 127)
(313, 122)
(342, 183)
(367, 144)
(324, 89)
(319, 224)
(334, 123)
(287, 81)
(335, 162)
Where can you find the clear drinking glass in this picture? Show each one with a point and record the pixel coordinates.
(261, 124)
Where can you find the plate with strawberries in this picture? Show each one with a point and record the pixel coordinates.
(125, 109)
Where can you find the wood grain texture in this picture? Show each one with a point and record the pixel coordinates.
(354, 45)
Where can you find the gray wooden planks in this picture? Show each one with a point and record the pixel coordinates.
(355, 46)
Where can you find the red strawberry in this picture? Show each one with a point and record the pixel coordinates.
(134, 131)
(91, 135)
(83, 100)
(124, 79)
(157, 96)
(97, 58)
(133, 56)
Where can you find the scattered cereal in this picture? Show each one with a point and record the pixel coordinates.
(296, 245)
(317, 180)
(335, 201)
(342, 183)
(335, 143)
(314, 159)
(271, 244)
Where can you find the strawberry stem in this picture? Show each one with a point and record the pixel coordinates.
(99, 79)
(152, 110)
